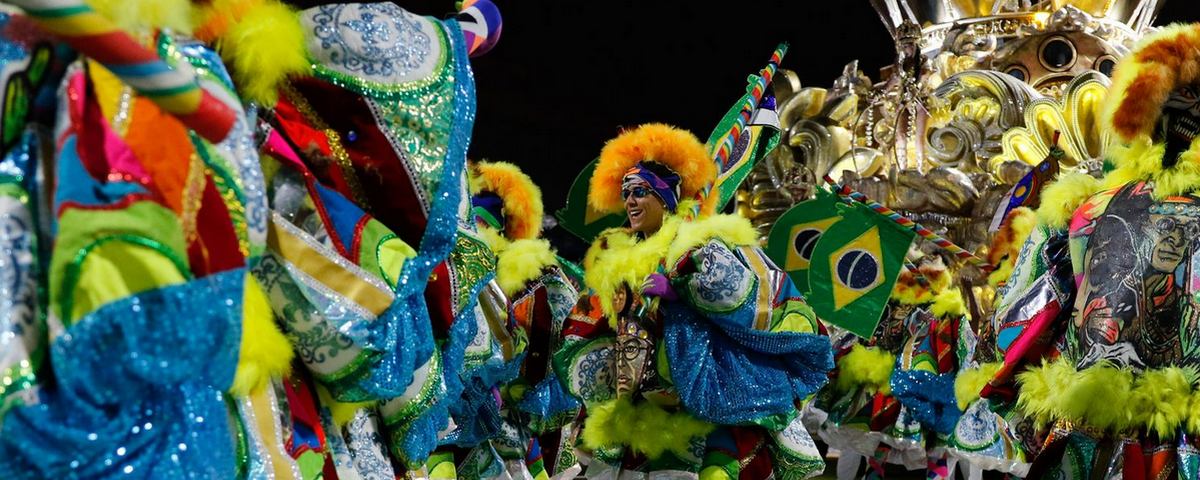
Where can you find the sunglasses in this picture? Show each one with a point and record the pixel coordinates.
(637, 192)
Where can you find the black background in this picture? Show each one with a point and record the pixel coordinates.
(567, 74)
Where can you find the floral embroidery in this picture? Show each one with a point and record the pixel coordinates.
(379, 41)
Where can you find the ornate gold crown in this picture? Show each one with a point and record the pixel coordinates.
(937, 17)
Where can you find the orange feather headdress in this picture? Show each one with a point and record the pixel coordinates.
(522, 199)
(671, 147)
(1143, 82)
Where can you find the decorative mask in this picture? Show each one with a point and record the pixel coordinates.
(1180, 122)
(634, 349)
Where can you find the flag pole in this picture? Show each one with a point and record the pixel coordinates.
(756, 94)
(905, 222)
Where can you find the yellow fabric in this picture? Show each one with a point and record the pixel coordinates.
(714, 473)
(342, 412)
(329, 273)
(794, 322)
(265, 418)
(265, 353)
(392, 255)
(116, 269)
(108, 90)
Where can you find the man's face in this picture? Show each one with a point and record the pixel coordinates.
(1172, 242)
(644, 209)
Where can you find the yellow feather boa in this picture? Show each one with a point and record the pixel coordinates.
(646, 428)
(618, 257)
(518, 262)
(866, 367)
(1112, 399)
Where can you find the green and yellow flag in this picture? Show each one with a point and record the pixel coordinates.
(794, 237)
(853, 268)
(578, 217)
(759, 137)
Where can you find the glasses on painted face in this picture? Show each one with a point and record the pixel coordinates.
(637, 192)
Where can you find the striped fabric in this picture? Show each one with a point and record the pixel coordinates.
(174, 90)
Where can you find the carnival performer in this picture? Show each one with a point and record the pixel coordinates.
(889, 392)
(376, 271)
(692, 351)
(158, 331)
(985, 439)
(1116, 383)
(507, 207)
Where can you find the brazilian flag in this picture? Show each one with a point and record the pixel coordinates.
(578, 217)
(757, 139)
(854, 266)
(794, 237)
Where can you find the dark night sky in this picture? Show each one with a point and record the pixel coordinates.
(566, 75)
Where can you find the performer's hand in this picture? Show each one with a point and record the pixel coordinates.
(657, 285)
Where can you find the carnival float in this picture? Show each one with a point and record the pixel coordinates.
(242, 240)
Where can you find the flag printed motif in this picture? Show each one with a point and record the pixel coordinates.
(853, 268)
(794, 237)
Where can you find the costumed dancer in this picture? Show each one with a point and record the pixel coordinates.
(389, 139)
(985, 439)
(940, 340)
(158, 332)
(692, 352)
(860, 413)
(508, 209)
(1117, 379)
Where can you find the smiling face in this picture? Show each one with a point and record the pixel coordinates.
(644, 209)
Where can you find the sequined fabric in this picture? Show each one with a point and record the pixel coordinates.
(138, 391)
(22, 330)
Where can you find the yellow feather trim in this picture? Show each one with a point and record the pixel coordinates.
(137, 16)
(1018, 226)
(1159, 400)
(1142, 160)
(265, 47)
(1061, 198)
(1193, 413)
(969, 383)
(265, 352)
(522, 262)
(865, 367)
(645, 428)
(618, 258)
(948, 302)
(734, 230)
(672, 147)
(521, 197)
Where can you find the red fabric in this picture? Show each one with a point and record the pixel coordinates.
(215, 247)
(384, 180)
(438, 296)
